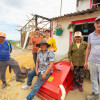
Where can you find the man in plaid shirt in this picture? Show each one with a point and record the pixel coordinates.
(44, 64)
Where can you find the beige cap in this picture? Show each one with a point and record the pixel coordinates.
(78, 33)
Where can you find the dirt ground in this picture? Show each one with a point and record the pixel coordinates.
(14, 92)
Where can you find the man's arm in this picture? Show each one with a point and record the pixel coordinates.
(10, 46)
(70, 56)
(37, 65)
(87, 54)
(48, 69)
(30, 41)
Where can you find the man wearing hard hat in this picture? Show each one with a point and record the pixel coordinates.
(6, 60)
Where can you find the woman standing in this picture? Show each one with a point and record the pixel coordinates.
(76, 57)
(50, 41)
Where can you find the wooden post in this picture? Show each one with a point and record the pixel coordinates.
(25, 42)
(92, 3)
(51, 28)
(36, 21)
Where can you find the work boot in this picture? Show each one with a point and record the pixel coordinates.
(93, 96)
(4, 85)
(18, 79)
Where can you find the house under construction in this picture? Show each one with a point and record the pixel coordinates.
(28, 29)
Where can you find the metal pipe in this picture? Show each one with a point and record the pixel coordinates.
(60, 7)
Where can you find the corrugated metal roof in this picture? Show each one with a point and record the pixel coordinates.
(77, 13)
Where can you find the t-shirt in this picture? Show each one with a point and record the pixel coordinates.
(78, 45)
(94, 41)
(5, 51)
(35, 40)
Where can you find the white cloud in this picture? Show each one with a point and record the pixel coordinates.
(13, 36)
(13, 12)
(11, 15)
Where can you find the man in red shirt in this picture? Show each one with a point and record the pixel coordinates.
(33, 41)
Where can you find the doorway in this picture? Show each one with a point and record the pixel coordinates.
(85, 28)
(96, 3)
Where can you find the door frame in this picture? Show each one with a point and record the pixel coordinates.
(79, 21)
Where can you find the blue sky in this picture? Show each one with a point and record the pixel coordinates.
(13, 13)
(10, 30)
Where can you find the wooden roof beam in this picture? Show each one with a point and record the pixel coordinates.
(41, 17)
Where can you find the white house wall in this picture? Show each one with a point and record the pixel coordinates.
(63, 40)
(83, 5)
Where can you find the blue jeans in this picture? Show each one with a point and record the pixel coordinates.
(95, 76)
(31, 74)
(37, 86)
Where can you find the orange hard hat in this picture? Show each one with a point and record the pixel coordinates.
(2, 34)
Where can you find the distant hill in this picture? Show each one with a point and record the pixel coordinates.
(13, 42)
